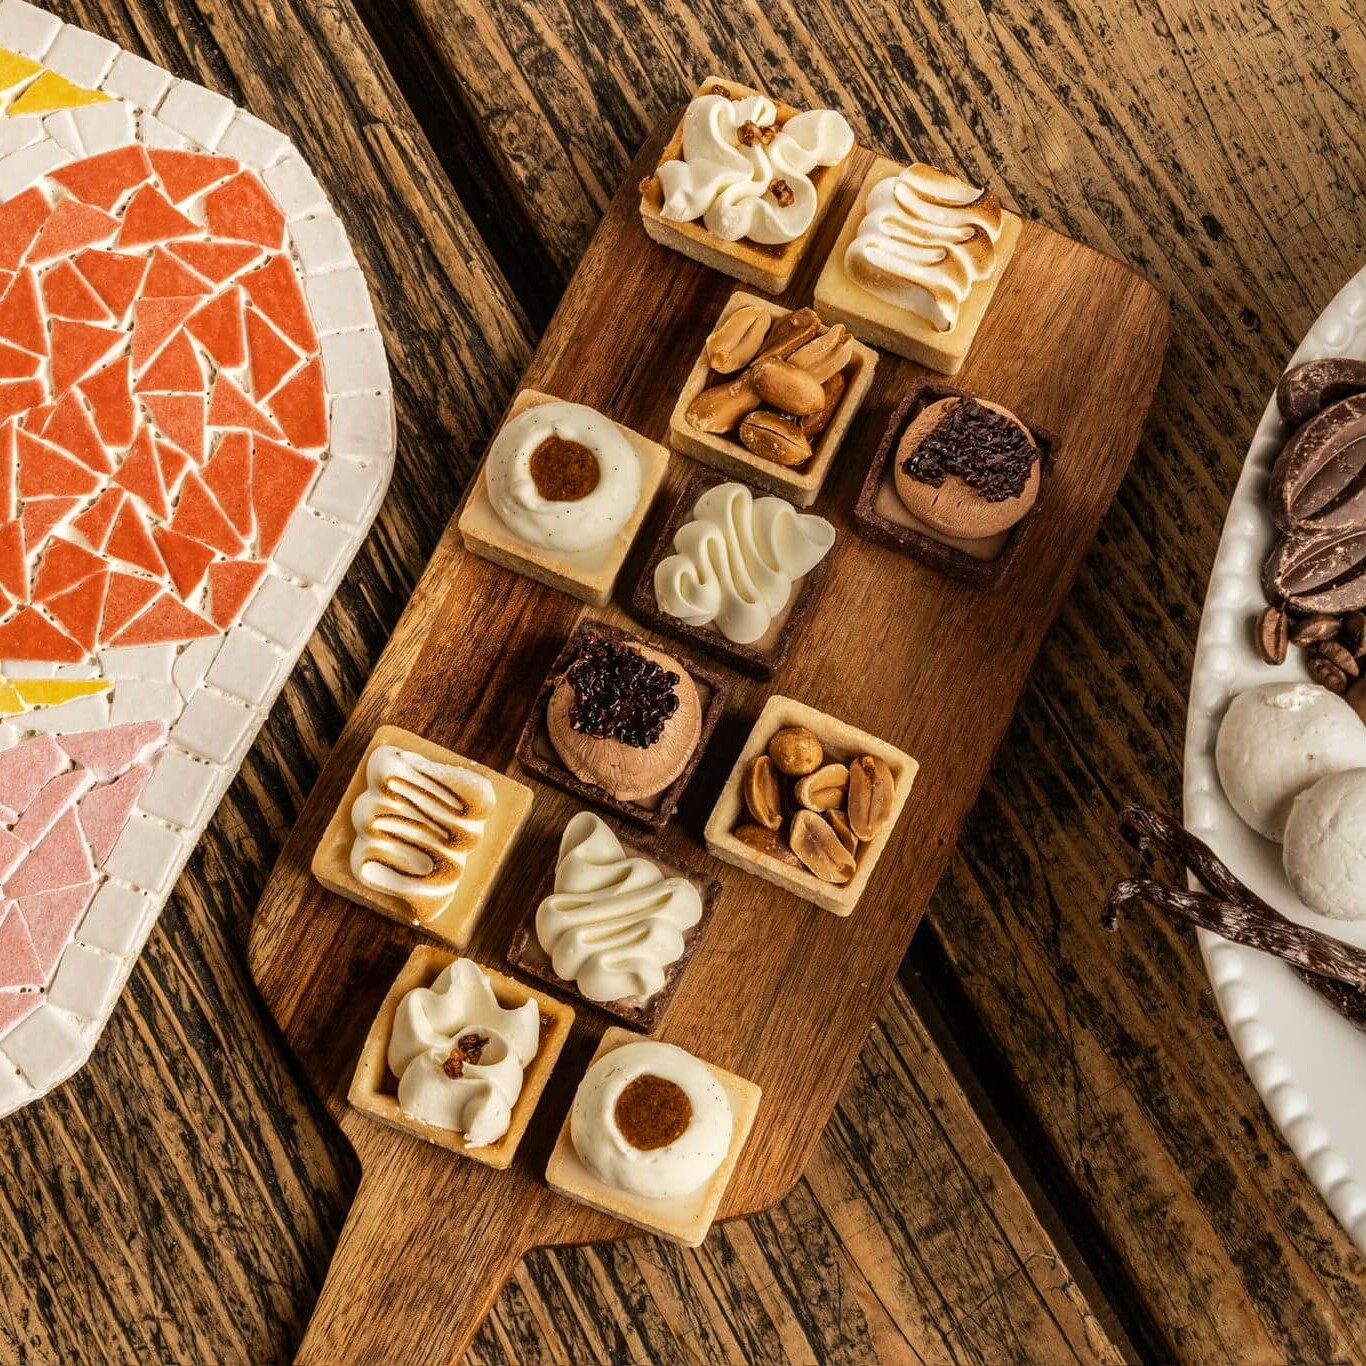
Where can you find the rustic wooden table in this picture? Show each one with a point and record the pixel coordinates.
(1048, 1149)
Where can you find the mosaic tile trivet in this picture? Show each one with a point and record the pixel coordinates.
(196, 430)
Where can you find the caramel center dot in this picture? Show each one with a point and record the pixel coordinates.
(651, 1112)
(563, 471)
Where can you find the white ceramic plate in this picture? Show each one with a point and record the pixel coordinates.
(1307, 1062)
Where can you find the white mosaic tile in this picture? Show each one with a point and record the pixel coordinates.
(86, 981)
(86, 713)
(30, 164)
(117, 919)
(347, 489)
(282, 611)
(9, 736)
(26, 28)
(321, 243)
(339, 301)
(295, 187)
(81, 56)
(313, 549)
(363, 424)
(213, 727)
(193, 663)
(136, 80)
(103, 127)
(246, 667)
(61, 128)
(21, 132)
(354, 361)
(179, 789)
(140, 699)
(201, 115)
(147, 854)
(153, 133)
(253, 142)
(152, 662)
(45, 1047)
(14, 1090)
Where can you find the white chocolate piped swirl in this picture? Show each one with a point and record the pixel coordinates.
(925, 240)
(459, 1055)
(416, 823)
(745, 177)
(613, 925)
(735, 562)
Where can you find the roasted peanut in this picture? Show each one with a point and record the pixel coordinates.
(839, 823)
(768, 842)
(825, 789)
(818, 847)
(827, 355)
(788, 333)
(796, 751)
(721, 408)
(872, 790)
(813, 424)
(787, 388)
(736, 341)
(763, 795)
(776, 437)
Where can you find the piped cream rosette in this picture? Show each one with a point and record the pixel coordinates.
(613, 925)
(459, 1056)
(926, 239)
(725, 181)
(630, 1100)
(735, 562)
(563, 524)
(416, 823)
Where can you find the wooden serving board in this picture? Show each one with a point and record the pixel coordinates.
(780, 992)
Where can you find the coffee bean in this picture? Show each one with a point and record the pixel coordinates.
(1340, 656)
(1311, 630)
(1273, 635)
(1327, 674)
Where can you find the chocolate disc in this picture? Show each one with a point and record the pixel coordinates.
(1319, 481)
(1309, 388)
(1318, 573)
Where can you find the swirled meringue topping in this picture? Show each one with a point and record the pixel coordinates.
(540, 489)
(416, 823)
(459, 1055)
(651, 1119)
(925, 240)
(613, 925)
(743, 175)
(735, 562)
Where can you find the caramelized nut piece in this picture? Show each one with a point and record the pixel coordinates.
(771, 436)
(763, 796)
(736, 341)
(839, 823)
(787, 388)
(813, 424)
(796, 751)
(814, 842)
(720, 409)
(765, 841)
(827, 355)
(788, 333)
(871, 792)
(825, 789)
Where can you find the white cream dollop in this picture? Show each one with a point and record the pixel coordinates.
(416, 823)
(1325, 845)
(677, 1168)
(571, 524)
(1277, 739)
(925, 240)
(735, 562)
(726, 182)
(613, 925)
(427, 1029)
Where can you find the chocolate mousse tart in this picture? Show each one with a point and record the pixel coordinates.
(954, 482)
(620, 724)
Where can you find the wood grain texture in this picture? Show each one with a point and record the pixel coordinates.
(890, 646)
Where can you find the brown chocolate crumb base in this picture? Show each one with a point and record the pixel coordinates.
(652, 1112)
(564, 471)
(619, 694)
(469, 1048)
(991, 453)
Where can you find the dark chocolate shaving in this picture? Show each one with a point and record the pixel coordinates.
(1234, 911)
(991, 453)
(619, 694)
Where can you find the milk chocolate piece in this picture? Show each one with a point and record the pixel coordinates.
(1309, 388)
(1318, 573)
(1318, 482)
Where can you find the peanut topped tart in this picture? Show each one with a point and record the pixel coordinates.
(917, 262)
(744, 181)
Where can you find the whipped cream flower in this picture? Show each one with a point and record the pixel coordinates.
(925, 240)
(459, 1056)
(745, 177)
(613, 925)
(416, 823)
(736, 561)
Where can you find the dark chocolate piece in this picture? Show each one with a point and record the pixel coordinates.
(528, 957)
(989, 452)
(753, 660)
(619, 694)
(1318, 482)
(1234, 911)
(921, 545)
(1318, 573)
(542, 762)
(1309, 388)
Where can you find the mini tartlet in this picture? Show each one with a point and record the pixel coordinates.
(765, 182)
(954, 482)
(721, 402)
(484, 1098)
(399, 860)
(622, 920)
(723, 560)
(917, 262)
(561, 494)
(621, 724)
(831, 770)
(653, 1136)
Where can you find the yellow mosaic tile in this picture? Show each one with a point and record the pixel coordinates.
(24, 694)
(11, 704)
(15, 67)
(51, 92)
